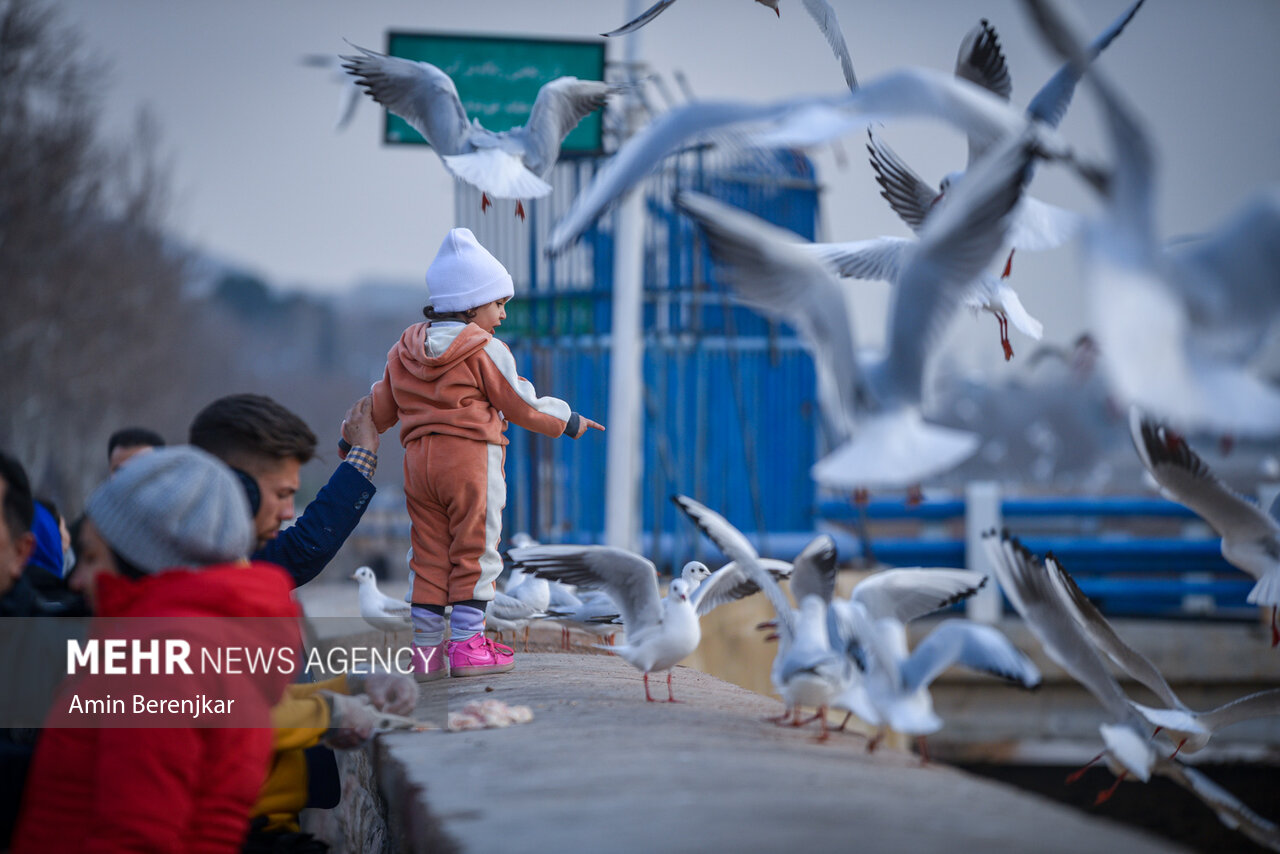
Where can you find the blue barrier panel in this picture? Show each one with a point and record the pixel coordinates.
(1109, 506)
(729, 402)
(844, 511)
(1013, 508)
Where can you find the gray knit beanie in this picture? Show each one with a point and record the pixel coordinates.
(173, 507)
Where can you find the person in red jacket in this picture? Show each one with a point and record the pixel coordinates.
(453, 387)
(176, 524)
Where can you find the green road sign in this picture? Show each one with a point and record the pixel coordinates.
(498, 79)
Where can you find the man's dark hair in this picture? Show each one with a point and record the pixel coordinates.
(19, 508)
(251, 425)
(134, 437)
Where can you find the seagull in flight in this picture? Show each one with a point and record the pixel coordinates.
(1184, 331)
(800, 122)
(863, 627)
(1035, 225)
(509, 164)
(806, 671)
(1250, 536)
(871, 405)
(820, 10)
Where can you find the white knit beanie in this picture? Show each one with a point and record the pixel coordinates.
(173, 507)
(464, 275)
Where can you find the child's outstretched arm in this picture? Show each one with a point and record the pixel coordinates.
(384, 410)
(518, 400)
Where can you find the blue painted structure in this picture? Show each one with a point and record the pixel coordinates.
(1173, 569)
(723, 386)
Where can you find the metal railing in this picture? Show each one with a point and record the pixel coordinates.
(1132, 556)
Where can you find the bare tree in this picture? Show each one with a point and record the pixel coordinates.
(94, 333)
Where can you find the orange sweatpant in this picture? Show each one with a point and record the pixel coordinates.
(455, 491)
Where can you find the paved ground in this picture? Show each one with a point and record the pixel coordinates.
(599, 768)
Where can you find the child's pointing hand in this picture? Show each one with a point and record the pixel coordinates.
(584, 423)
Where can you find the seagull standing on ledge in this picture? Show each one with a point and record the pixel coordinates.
(378, 609)
(660, 631)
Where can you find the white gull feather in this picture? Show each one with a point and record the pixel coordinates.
(660, 631)
(872, 407)
(378, 609)
(509, 164)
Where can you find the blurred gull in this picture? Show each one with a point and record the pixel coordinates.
(1030, 588)
(1189, 730)
(1250, 536)
(506, 613)
(350, 101)
(509, 164)
(820, 10)
(798, 122)
(534, 593)
(596, 613)
(872, 406)
(1051, 419)
(561, 595)
(1037, 592)
(895, 682)
(1230, 810)
(1184, 333)
(899, 595)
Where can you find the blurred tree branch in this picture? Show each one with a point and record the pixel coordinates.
(94, 331)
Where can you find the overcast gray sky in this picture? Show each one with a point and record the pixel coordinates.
(263, 180)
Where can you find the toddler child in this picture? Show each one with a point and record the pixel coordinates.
(453, 387)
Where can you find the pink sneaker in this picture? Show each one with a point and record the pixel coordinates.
(479, 656)
(429, 663)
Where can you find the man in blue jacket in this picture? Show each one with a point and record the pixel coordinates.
(267, 445)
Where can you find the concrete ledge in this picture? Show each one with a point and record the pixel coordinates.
(601, 769)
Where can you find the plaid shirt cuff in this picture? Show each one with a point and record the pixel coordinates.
(364, 460)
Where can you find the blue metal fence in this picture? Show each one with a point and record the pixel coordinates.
(729, 406)
(1131, 556)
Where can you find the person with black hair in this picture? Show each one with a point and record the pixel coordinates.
(17, 542)
(17, 599)
(127, 443)
(266, 445)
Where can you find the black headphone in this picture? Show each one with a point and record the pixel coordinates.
(251, 490)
